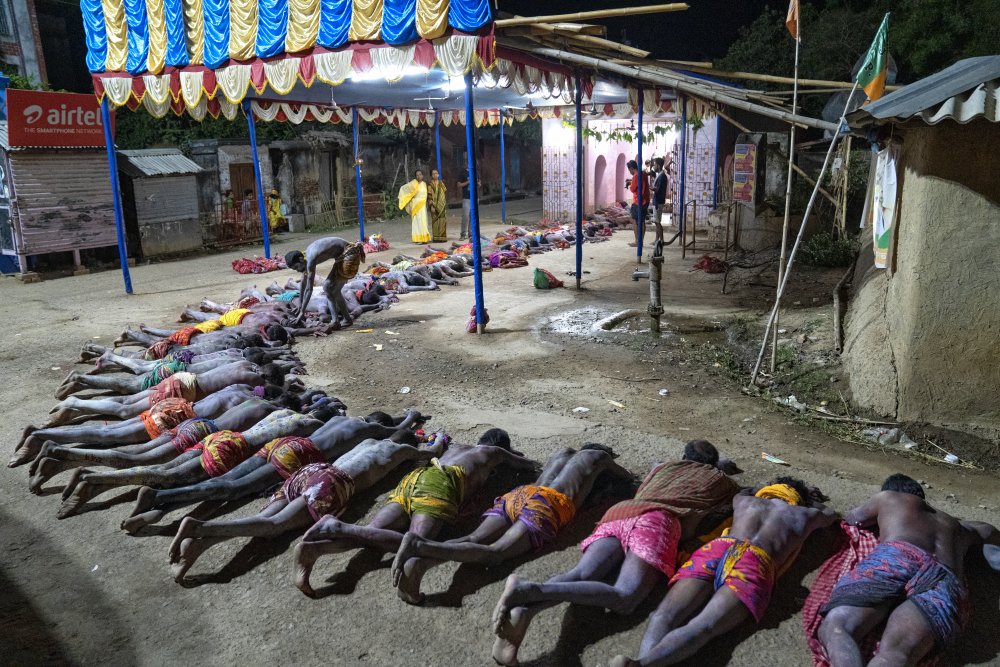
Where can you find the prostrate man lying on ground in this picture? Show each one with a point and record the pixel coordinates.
(207, 344)
(728, 582)
(271, 466)
(124, 384)
(312, 492)
(199, 363)
(913, 580)
(184, 385)
(424, 502)
(637, 538)
(165, 414)
(526, 518)
(54, 459)
(212, 456)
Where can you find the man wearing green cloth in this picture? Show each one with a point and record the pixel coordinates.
(437, 199)
(424, 502)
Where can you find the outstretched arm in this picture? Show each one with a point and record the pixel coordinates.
(825, 516)
(308, 277)
(865, 516)
(516, 461)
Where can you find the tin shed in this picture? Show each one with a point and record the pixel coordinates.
(160, 200)
(53, 200)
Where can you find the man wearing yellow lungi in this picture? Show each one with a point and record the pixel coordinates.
(437, 195)
(413, 198)
(423, 503)
(526, 518)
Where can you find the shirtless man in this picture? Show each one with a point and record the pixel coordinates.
(529, 517)
(424, 502)
(189, 386)
(316, 253)
(728, 582)
(213, 456)
(198, 346)
(913, 580)
(124, 384)
(312, 492)
(199, 363)
(637, 538)
(54, 459)
(134, 430)
(260, 473)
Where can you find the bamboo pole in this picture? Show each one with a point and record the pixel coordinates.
(560, 40)
(665, 78)
(772, 78)
(812, 181)
(594, 14)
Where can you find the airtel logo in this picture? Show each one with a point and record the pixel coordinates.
(32, 114)
(61, 116)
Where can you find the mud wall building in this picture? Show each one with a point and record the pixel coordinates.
(921, 335)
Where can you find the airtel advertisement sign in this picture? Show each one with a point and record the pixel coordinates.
(36, 118)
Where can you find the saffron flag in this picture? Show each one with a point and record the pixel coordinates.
(792, 20)
(873, 71)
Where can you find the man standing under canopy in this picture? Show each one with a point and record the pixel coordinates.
(438, 201)
(413, 198)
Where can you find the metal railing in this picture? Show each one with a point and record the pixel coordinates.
(731, 236)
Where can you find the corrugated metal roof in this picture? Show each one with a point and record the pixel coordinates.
(156, 162)
(967, 90)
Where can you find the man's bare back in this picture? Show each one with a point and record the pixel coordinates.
(775, 526)
(904, 517)
(573, 473)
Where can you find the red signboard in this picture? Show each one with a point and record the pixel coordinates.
(36, 118)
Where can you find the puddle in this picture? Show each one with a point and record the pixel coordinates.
(581, 323)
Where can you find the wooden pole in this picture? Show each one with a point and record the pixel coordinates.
(665, 78)
(595, 14)
(771, 78)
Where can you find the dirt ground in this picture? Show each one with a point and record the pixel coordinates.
(80, 591)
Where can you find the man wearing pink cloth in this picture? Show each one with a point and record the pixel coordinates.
(638, 537)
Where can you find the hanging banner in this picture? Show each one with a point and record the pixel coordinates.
(37, 118)
(745, 173)
(884, 198)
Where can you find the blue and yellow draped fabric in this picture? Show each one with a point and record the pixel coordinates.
(272, 26)
(176, 49)
(216, 32)
(96, 34)
(138, 36)
(334, 23)
(144, 36)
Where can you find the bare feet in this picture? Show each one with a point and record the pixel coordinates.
(187, 547)
(404, 585)
(25, 434)
(509, 639)
(306, 554)
(81, 494)
(143, 514)
(28, 451)
(69, 386)
(74, 479)
(510, 598)
(45, 469)
(123, 338)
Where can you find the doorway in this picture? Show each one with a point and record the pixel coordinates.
(242, 179)
(620, 192)
(600, 190)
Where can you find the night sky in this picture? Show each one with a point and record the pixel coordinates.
(703, 32)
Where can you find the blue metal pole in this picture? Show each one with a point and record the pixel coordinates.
(641, 218)
(503, 171)
(477, 259)
(116, 193)
(579, 180)
(437, 142)
(683, 190)
(261, 204)
(357, 173)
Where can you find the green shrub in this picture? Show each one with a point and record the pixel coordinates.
(824, 250)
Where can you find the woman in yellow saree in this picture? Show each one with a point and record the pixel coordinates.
(413, 198)
(437, 193)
